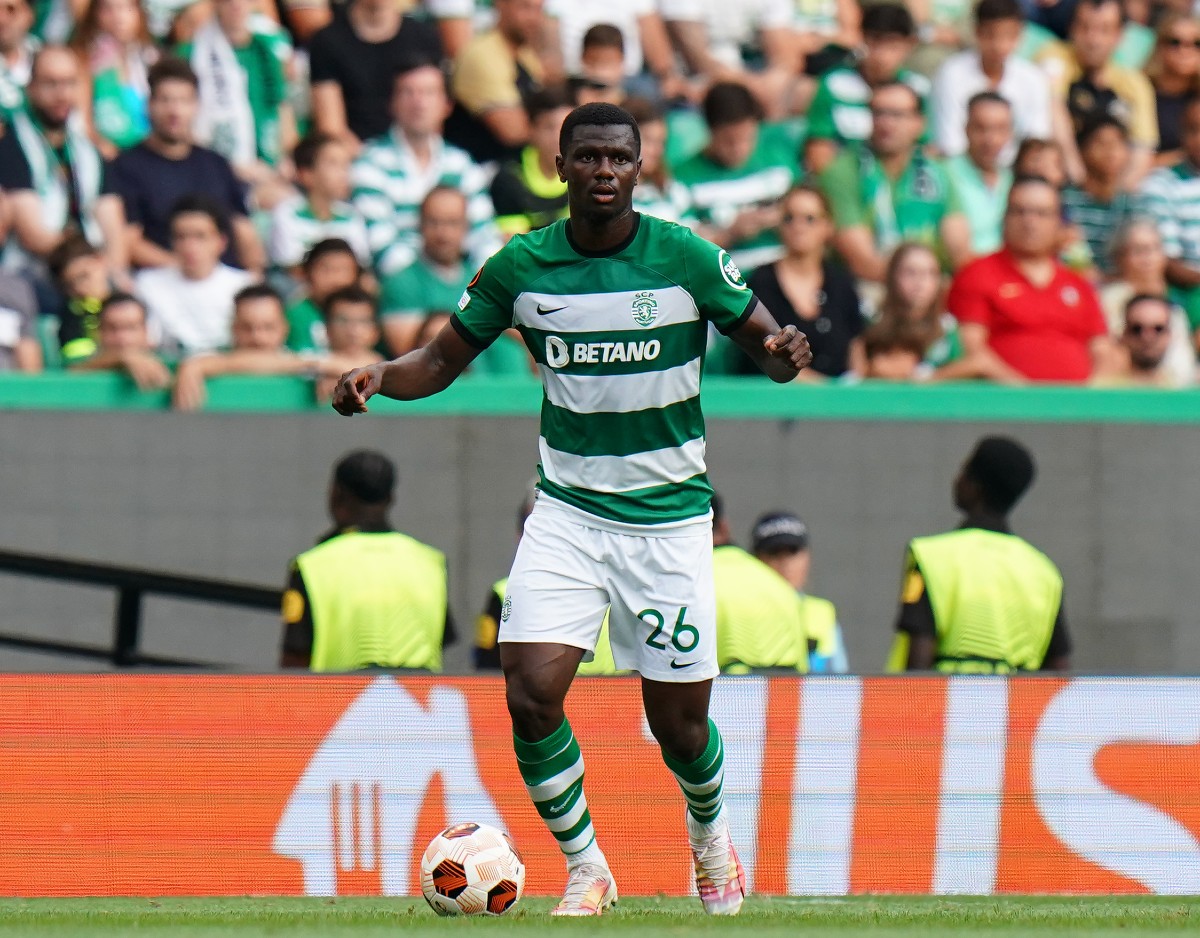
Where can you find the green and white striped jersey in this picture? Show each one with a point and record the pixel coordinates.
(619, 338)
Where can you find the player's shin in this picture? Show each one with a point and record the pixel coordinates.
(702, 781)
(553, 772)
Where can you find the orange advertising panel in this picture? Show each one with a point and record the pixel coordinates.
(213, 785)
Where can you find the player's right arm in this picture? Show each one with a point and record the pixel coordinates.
(485, 311)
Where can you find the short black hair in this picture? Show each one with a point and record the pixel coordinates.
(994, 11)
(354, 293)
(598, 114)
(544, 100)
(200, 204)
(730, 102)
(888, 19)
(258, 291)
(324, 249)
(1028, 179)
(1003, 470)
(366, 475)
(1096, 5)
(118, 299)
(306, 153)
(1098, 123)
(69, 250)
(410, 65)
(170, 68)
(604, 36)
(987, 97)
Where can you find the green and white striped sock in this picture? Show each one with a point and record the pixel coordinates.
(702, 781)
(553, 774)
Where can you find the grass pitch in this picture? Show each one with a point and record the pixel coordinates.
(877, 917)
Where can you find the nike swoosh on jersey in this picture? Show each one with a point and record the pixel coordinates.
(546, 312)
(676, 666)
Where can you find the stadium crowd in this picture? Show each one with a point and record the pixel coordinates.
(1007, 192)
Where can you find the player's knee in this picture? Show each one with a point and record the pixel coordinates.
(682, 738)
(535, 714)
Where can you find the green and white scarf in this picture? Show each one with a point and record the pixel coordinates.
(50, 178)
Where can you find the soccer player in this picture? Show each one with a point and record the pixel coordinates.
(615, 306)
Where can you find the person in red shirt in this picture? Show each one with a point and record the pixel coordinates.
(1039, 320)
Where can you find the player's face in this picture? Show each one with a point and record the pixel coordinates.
(600, 168)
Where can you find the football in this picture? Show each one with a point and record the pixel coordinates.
(472, 869)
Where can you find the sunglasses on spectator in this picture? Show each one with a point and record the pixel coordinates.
(1146, 328)
(1176, 43)
(808, 219)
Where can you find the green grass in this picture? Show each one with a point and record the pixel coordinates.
(877, 917)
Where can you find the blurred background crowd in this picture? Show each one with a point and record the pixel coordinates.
(1007, 191)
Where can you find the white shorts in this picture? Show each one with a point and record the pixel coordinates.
(657, 588)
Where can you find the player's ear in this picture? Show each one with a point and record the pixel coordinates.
(558, 165)
(637, 177)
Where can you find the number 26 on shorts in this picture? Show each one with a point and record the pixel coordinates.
(684, 637)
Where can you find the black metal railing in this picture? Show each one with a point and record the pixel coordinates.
(131, 584)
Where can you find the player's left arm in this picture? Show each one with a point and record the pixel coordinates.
(780, 354)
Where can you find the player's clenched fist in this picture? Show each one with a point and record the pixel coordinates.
(355, 388)
(790, 345)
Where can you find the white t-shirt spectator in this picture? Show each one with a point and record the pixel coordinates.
(190, 316)
(18, 318)
(960, 78)
(575, 19)
(731, 26)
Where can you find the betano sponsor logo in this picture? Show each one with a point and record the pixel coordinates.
(560, 353)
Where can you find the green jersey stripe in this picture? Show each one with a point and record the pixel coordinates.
(593, 311)
(622, 434)
(598, 275)
(621, 393)
(616, 353)
(657, 504)
(610, 474)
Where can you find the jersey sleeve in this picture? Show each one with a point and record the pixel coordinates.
(820, 114)
(486, 307)
(715, 283)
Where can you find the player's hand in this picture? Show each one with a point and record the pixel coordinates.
(790, 345)
(355, 388)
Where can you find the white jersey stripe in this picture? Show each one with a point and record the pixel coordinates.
(621, 394)
(612, 474)
(605, 312)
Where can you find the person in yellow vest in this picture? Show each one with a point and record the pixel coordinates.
(980, 600)
(487, 626)
(366, 596)
(760, 620)
(781, 541)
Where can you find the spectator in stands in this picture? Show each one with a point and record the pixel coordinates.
(167, 166)
(828, 32)
(807, 289)
(329, 266)
(943, 29)
(736, 182)
(1102, 204)
(601, 72)
(1145, 346)
(1172, 199)
(781, 541)
(657, 192)
(1085, 79)
(366, 595)
(54, 178)
(639, 30)
(1021, 307)
(1174, 73)
(16, 54)
(981, 600)
(760, 618)
(115, 51)
(353, 331)
(491, 77)
(80, 274)
(244, 112)
(123, 344)
(191, 301)
(840, 113)
(711, 37)
(354, 61)
(1043, 158)
(20, 349)
(980, 175)
(486, 653)
(321, 209)
(396, 171)
(887, 190)
(1141, 270)
(891, 352)
(914, 303)
(527, 192)
(991, 66)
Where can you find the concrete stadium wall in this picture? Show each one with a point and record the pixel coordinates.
(235, 495)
